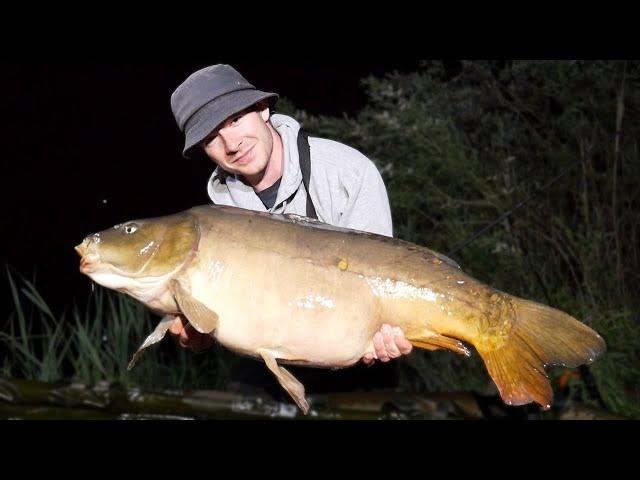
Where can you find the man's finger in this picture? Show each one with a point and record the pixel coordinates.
(186, 335)
(176, 327)
(402, 343)
(378, 344)
(389, 341)
(367, 359)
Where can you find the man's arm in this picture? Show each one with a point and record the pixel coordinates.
(367, 207)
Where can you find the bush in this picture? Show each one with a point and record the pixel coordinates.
(458, 145)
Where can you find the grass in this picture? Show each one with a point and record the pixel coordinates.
(95, 344)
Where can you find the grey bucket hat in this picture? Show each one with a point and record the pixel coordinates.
(208, 97)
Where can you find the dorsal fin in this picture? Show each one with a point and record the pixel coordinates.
(445, 259)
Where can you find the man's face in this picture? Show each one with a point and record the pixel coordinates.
(243, 143)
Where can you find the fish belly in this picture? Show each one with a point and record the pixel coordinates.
(303, 313)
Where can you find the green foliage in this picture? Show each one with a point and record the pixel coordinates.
(39, 356)
(457, 149)
(96, 344)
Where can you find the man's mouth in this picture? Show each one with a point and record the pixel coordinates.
(243, 158)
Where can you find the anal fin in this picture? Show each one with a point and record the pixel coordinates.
(435, 341)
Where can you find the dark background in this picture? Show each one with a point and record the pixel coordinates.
(86, 145)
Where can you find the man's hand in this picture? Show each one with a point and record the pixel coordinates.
(189, 337)
(389, 343)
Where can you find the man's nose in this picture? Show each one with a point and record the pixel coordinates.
(231, 140)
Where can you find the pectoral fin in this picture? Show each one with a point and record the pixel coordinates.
(202, 319)
(290, 383)
(157, 335)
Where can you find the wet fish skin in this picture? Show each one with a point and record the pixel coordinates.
(291, 290)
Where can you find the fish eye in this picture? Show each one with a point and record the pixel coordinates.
(130, 228)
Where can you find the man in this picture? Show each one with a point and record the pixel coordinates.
(260, 161)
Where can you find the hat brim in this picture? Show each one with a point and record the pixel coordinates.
(212, 114)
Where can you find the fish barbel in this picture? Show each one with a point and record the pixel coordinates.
(291, 290)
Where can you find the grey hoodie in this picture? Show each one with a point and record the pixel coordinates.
(345, 187)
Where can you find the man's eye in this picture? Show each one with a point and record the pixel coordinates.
(208, 140)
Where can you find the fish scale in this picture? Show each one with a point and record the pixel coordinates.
(291, 290)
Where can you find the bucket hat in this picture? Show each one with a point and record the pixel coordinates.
(208, 97)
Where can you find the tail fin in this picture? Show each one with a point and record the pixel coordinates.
(540, 336)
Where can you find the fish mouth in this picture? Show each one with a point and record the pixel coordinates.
(89, 263)
(88, 260)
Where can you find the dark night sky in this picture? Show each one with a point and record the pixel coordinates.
(77, 134)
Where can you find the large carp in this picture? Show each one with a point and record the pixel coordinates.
(291, 290)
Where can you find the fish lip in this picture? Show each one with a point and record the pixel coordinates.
(89, 257)
(88, 261)
(87, 266)
(81, 249)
